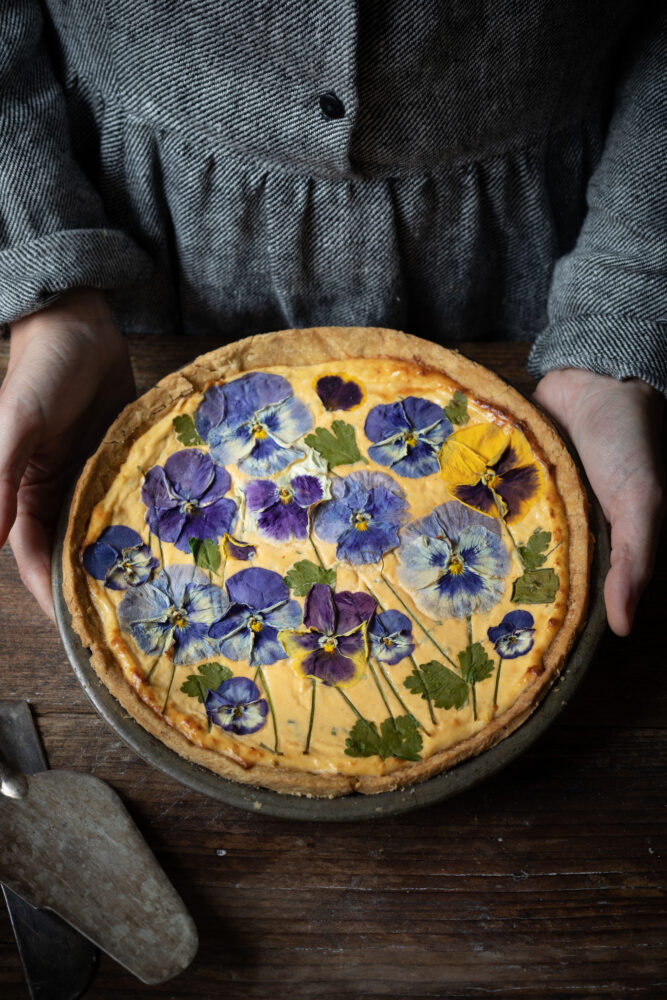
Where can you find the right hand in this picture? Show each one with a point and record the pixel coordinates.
(69, 374)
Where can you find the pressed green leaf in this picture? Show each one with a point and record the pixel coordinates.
(457, 409)
(475, 664)
(445, 688)
(303, 574)
(209, 678)
(186, 432)
(339, 448)
(536, 586)
(397, 737)
(533, 553)
(205, 553)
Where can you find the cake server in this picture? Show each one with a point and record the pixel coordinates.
(67, 844)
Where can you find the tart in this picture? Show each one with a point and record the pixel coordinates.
(329, 561)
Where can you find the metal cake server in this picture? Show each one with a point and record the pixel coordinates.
(67, 844)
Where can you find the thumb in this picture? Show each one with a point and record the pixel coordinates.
(635, 527)
(20, 434)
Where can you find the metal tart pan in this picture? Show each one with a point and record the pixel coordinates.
(355, 806)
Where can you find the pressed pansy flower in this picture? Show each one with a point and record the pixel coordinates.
(259, 607)
(492, 469)
(237, 706)
(337, 393)
(390, 637)
(236, 548)
(186, 499)
(174, 611)
(363, 516)
(279, 510)
(335, 647)
(252, 422)
(453, 561)
(120, 558)
(514, 636)
(408, 435)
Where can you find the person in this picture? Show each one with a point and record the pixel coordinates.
(459, 171)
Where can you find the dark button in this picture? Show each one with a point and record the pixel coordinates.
(332, 106)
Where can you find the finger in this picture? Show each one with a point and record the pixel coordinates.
(635, 528)
(31, 545)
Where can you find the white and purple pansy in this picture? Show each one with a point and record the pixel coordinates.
(280, 510)
(335, 647)
(236, 706)
(514, 636)
(390, 637)
(186, 499)
(252, 422)
(120, 558)
(259, 607)
(453, 561)
(363, 516)
(408, 435)
(174, 611)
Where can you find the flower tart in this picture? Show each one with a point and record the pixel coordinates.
(331, 560)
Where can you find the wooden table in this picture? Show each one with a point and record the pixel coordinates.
(547, 881)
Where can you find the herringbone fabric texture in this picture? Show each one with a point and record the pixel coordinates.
(492, 169)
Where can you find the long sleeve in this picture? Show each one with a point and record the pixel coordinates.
(607, 308)
(53, 231)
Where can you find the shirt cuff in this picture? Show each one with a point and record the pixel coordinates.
(33, 274)
(620, 346)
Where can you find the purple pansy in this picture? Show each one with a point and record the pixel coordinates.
(390, 637)
(363, 517)
(120, 558)
(337, 393)
(175, 610)
(236, 548)
(280, 509)
(259, 607)
(453, 561)
(186, 498)
(514, 636)
(335, 647)
(237, 707)
(408, 435)
(252, 422)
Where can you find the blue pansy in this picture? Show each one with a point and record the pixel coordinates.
(259, 607)
(237, 707)
(174, 611)
(252, 422)
(363, 517)
(186, 499)
(120, 558)
(514, 636)
(453, 562)
(390, 637)
(408, 435)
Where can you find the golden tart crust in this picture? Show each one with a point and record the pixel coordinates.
(395, 364)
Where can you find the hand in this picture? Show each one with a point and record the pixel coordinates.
(68, 376)
(615, 427)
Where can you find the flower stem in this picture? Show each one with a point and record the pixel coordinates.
(382, 694)
(312, 715)
(171, 681)
(472, 683)
(161, 552)
(345, 698)
(474, 702)
(399, 699)
(428, 697)
(271, 709)
(147, 678)
(316, 551)
(417, 622)
(495, 690)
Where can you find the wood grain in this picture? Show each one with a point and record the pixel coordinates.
(548, 881)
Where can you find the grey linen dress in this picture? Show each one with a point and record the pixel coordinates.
(465, 169)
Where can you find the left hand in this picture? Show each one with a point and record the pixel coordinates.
(615, 427)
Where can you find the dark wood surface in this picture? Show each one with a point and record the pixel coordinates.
(547, 881)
